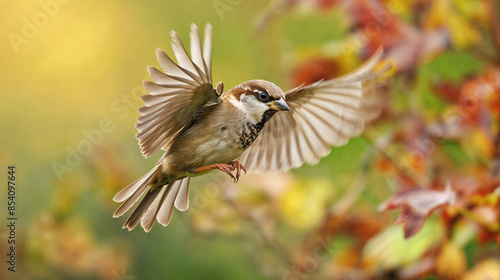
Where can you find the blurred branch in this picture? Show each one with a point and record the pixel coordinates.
(353, 193)
(495, 30)
(275, 9)
(495, 25)
(419, 270)
(336, 221)
(495, 170)
(380, 144)
(494, 227)
(350, 197)
(262, 226)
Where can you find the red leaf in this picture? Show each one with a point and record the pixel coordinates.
(416, 205)
(326, 4)
(316, 70)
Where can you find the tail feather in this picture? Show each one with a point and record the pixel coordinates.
(158, 201)
(163, 205)
(132, 188)
(182, 200)
(165, 211)
(130, 201)
(139, 211)
(148, 218)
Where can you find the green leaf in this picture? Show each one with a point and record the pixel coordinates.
(314, 29)
(453, 66)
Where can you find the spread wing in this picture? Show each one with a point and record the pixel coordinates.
(176, 95)
(323, 114)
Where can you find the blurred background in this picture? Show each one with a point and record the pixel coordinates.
(71, 78)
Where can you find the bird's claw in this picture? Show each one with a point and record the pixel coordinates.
(238, 166)
(228, 169)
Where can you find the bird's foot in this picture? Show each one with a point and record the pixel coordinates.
(226, 168)
(238, 166)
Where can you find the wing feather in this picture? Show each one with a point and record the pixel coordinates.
(176, 96)
(207, 49)
(163, 79)
(197, 51)
(323, 114)
(184, 60)
(174, 70)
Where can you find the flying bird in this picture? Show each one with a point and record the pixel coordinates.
(254, 126)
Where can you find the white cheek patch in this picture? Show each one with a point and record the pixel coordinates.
(236, 103)
(253, 108)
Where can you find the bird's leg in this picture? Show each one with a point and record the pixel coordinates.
(238, 166)
(226, 168)
(221, 166)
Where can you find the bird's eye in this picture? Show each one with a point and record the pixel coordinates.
(263, 96)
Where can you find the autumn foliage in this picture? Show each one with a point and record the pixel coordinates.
(436, 143)
(417, 196)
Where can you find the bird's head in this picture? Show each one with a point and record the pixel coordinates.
(258, 98)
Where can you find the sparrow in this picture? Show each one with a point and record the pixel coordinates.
(254, 126)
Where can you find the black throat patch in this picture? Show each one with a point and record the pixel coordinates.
(250, 131)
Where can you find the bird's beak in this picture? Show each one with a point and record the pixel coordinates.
(279, 105)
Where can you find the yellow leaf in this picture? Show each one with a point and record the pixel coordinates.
(481, 143)
(444, 14)
(304, 204)
(485, 270)
(451, 261)
(463, 34)
(473, 10)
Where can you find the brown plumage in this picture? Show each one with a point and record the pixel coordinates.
(249, 127)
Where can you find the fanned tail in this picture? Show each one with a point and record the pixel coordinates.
(157, 201)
